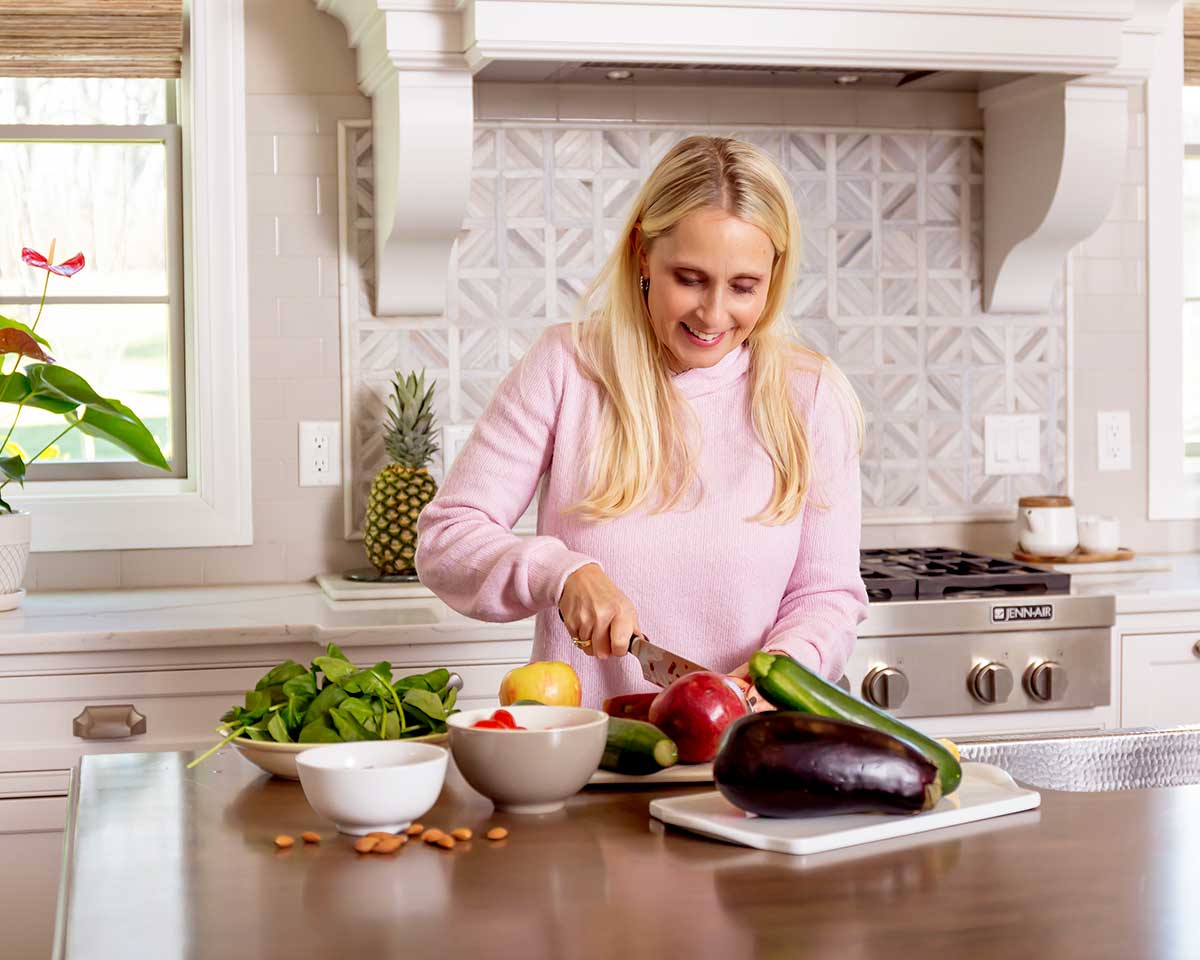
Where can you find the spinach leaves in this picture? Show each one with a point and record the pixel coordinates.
(334, 701)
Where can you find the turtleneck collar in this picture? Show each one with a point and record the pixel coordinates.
(701, 380)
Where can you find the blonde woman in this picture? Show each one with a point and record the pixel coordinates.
(698, 470)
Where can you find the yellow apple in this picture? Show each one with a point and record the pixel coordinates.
(547, 681)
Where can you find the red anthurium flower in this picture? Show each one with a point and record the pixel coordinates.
(67, 268)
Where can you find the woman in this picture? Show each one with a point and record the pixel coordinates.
(698, 469)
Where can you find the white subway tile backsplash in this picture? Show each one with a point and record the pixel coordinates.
(280, 194)
(162, 568)
(263, 310)
(749, 105)
(262, 239)
(260, 153)
(306, 153)
(291, 276)
(306, 235)
(332, 107)
(328, 279)
(670, 105)
(508, 101)
(316, 317)
(281, 113)
(285, 358)
(258, 563)
(313, 399)
(266, 396)
(589, 102)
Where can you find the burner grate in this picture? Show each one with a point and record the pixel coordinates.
(924, 573)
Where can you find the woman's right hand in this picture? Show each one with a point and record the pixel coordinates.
(597, 613)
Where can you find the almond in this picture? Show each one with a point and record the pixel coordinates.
(497, 833)
(445, 842)
(366, 844)
(283, 841)
(309, 836)
(462, 833)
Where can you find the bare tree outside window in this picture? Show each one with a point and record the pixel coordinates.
(94, 164)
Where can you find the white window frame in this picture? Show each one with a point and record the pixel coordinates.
(1174, 492)
(212, 505)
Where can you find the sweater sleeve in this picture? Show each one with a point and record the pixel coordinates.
(467, 553)
(825, 599)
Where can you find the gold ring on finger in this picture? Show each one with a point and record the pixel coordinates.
(581, 644)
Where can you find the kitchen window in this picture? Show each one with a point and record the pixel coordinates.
(94, 164)
(147, 177)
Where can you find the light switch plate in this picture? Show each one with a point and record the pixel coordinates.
(1011, 444)
(319, 453)
(454, 435)
(1112, 440)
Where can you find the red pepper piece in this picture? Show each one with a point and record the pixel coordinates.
(488, 725)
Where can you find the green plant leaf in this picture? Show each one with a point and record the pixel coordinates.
(350, 729)
(14, 468)
(257, 700)
(63, 384)
(279, 675)
(277, 728)
(8, 323)
(15, 388)
(303, 685)
(123, 429)
(334, 668)
(428, 703)
(319, 731)
(328, 698)
(334, 651)
(365, 681)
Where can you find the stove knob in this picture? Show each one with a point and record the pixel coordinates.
(990, 682)
(1046, 680)
(885, 687)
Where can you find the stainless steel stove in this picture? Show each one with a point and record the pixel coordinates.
(951, 633)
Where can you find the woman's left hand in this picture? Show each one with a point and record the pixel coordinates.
(741, 677)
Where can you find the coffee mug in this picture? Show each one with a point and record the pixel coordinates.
(1046, 526)
(1099, 534)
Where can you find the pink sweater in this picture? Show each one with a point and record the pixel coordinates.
(705, 583)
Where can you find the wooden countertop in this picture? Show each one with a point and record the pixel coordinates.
(165, 862)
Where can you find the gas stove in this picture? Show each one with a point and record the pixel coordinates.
(951, 633)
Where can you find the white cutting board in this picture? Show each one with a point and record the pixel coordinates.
(985, 791)
(679, 773)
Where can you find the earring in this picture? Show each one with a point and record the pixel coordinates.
(645, 286)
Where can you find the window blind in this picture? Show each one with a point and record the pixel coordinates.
(1191, 42)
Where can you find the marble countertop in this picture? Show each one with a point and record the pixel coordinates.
(191, 616)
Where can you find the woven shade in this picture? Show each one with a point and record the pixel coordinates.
(1191, 42)
(91, 38)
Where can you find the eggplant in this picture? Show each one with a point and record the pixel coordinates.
(790, 764)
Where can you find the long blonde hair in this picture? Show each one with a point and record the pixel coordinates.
(646, 436)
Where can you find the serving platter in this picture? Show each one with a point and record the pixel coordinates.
(986, 791)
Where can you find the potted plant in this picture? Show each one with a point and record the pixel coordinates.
(35, 380)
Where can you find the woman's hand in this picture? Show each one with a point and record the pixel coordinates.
(597, 613)
(741, 677)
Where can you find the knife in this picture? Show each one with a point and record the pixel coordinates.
(662, 667)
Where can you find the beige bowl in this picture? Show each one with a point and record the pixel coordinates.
(279, 759)
(533, 770)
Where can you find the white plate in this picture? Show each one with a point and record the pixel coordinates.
(985, 791)
(680, 773)
(279, 759)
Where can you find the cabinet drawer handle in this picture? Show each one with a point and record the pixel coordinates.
(1196, 648)
(109, 722)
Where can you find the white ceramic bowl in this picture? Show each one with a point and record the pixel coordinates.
(372, 785)
(533, 770)
(279, 759)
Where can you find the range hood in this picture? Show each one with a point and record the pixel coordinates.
(1053, 79)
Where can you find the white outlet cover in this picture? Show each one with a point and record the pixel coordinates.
(319, 453)
(1113, 433)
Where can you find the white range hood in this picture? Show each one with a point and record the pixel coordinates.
(1055, 137)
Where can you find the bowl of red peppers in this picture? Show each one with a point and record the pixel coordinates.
(528, 759)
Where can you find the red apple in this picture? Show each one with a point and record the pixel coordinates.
(694, 711)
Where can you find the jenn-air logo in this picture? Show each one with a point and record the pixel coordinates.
(1023, 611)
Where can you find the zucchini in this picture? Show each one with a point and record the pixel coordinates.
(790, 764)
(638, 748)
(791, 686)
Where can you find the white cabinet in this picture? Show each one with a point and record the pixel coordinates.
(1160, 674)
(182, 694)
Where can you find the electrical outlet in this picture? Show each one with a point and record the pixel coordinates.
(320, 453)
(1011, 444)
(1112, 440)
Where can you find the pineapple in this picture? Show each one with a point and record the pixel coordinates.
(404, 486)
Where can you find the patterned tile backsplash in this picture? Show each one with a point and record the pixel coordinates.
(889, 288)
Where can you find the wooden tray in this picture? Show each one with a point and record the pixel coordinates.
(680, 773)
(1076, 556)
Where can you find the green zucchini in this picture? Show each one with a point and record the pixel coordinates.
(638, 748)
(791, 686)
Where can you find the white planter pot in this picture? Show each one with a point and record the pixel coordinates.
(15, 530)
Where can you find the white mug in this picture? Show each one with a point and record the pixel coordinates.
(1046, 526)
(1099, 534)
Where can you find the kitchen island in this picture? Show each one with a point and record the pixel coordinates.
(164, 862)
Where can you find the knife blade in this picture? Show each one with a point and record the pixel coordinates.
(662, 667)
